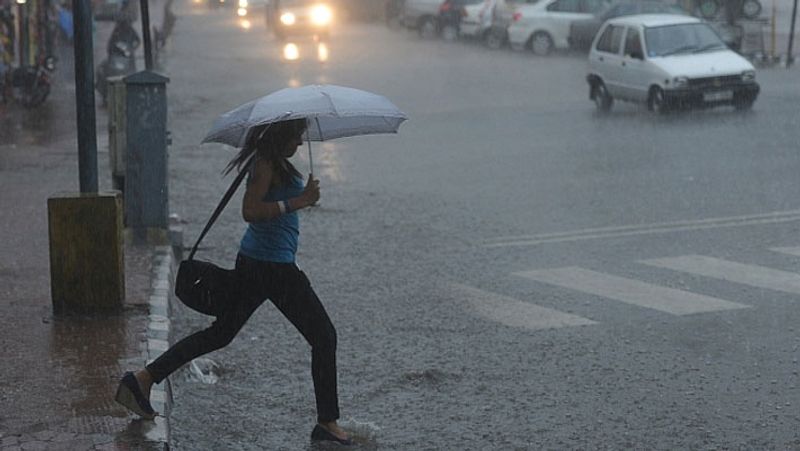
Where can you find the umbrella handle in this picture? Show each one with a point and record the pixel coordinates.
(311, 167)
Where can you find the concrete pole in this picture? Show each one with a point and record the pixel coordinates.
(84, 96)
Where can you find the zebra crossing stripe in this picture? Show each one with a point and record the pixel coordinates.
(515, 313)
(757, 276)
(787, 250)
(630, 291)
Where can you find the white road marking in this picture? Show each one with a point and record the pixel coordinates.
(787, 250)
(515, 313)
(644, 229)
(757, 276)
(629, 291)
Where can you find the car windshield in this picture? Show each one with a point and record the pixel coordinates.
(683, 38)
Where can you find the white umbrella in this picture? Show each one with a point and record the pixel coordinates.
(332, 112)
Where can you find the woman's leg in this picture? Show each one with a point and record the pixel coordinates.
(220, 333)
(301, 306)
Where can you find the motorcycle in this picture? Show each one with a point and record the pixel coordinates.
(121, 59)
(30, 85)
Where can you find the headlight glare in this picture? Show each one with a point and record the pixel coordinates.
(321, 15)
(288, 19)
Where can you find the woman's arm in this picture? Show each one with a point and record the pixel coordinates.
(254, 209)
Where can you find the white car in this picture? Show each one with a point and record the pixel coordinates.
(477, 18)
(422, 15)
(543, 25)
(667, 61)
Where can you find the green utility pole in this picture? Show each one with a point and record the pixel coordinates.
(84, 96)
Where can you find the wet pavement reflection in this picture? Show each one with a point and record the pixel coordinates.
(313, 50)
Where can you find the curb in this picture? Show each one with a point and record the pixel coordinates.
(158, 339)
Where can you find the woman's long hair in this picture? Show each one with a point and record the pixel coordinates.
(269, 141)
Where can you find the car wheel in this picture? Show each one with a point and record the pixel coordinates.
(495, 38)
(541, 43)
(449, 33)
(427, 28)
(656, 102)
(602, 98)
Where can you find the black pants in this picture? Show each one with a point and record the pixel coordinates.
(289, 289)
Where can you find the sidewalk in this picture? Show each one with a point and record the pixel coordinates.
(59, 374)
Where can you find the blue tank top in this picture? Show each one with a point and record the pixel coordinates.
(275, 240)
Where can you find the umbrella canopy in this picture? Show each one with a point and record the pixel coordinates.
(332, 112)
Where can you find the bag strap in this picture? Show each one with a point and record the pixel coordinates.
(223, 202)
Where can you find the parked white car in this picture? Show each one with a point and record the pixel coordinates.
(422, 15)
(667, 61)
(543, 25)
(477, 18)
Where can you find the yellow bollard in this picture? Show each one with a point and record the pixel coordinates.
(87, 272)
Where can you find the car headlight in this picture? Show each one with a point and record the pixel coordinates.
(288, 19)
(680, 82)
(321, 15)
(242, 3)
(748, 76)
(241, 12)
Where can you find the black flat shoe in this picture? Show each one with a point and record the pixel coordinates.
(320, 434)
(130, 395)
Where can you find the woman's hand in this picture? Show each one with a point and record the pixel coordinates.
(310, 194)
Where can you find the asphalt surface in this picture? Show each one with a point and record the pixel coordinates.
(497, 271)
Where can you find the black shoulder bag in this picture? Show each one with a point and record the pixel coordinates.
(204, 286)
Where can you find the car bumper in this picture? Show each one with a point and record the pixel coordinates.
(470, 28)
(517, 36)
(724, 95)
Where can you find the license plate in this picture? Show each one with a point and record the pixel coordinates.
(717, 96)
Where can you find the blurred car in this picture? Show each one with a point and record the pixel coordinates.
(544, 25)
(582, 32)
(393, 13)
(667, 61)
(248, 7)
(502, 15)
(293, 17)
(461, 17)
(422, 15)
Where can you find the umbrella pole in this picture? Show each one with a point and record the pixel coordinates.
(310, 158)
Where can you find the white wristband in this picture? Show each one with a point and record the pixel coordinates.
(282, 207)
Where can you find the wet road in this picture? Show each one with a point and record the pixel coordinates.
(511, 271)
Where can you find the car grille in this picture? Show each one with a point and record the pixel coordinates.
(715, 82)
